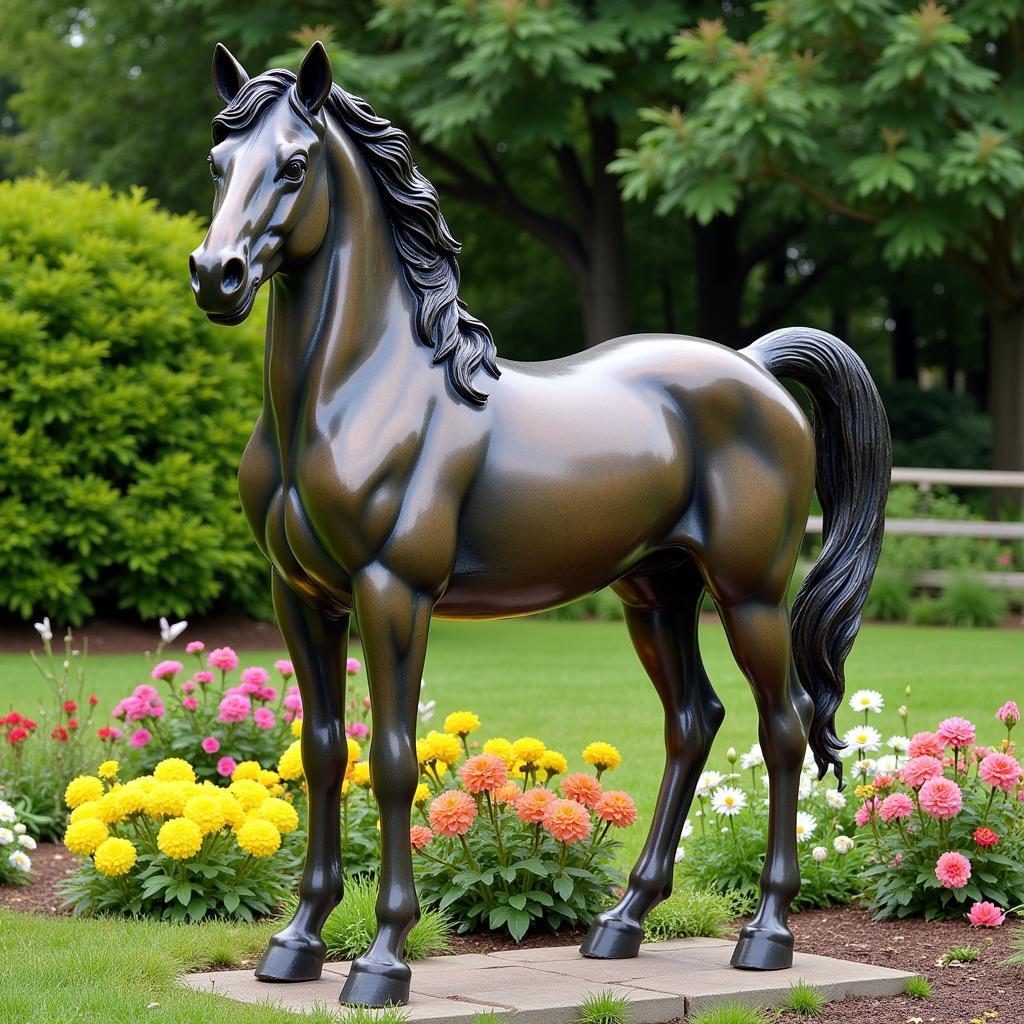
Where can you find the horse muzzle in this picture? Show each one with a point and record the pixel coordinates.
(222, 285)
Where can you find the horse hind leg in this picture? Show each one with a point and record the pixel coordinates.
(661, 615)
(759, 635)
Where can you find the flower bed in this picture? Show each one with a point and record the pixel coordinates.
(15, 846)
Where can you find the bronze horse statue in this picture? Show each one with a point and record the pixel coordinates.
(400, 470)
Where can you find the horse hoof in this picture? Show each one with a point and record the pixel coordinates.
(612, 939)
(289, 958)
(374, 984)
(761, 950)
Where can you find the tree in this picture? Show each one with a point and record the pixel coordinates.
(902, 118)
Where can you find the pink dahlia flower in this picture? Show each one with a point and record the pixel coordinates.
(986, 915)
(925, 744)
(195, 647)
(223, 658)
(1009, 715)
(866, 811)
(235, 707)
(226, 767)
(353, 666)
(357, 730)
(263, 718)
(211, 745)
(167, 670)
(1000, 771)
(941, 799)
(141, 737)
(285, 667)
(956, 732)
(293, 699)
(419, 836)
(203, 678)
(189, 703)
(917, 771)
(953, 870)
(255, 676)
(896, 807)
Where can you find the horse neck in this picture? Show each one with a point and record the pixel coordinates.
(343, 313)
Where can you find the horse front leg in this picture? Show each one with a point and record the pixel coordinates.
(393, 622)
(318, 646)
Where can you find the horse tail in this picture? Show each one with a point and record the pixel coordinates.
(854, 462)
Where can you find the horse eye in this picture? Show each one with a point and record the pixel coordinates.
(294, 170)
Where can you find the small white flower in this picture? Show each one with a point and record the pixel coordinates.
(687, 829)
(819, 854)
(809, 761)
(19, 829)
(728, 800)
(842, 844)
(426, 711)
(805, 788)
(862, 737)
(20, 860)
(708, 781)
(835, 799)
(6, 837)
(753, 758)
(886, 763)
(170, 632)
(7, 814)
(44, 630)
(680, 854)
(899, 744)
(867, 700)
(805, 826)
(731, 755)
(864, 768)
(26, 842)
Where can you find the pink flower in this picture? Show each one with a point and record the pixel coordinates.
(1009, 715)
(483, 773)
(223, 658)
(980, 753)
(532, 804)
(584, 789)
(293, 699)
(916, 772)
(896, 807)
(925, 744)
(145, 692)
(211, 744)
(616, 807)
(255, 675)
(452, 813)
(883, 781)
(266, 694)
(419, 836)
(357, 730)
(141, 737)
(953, 870)
(167, 670)
(190, 703)
(866, 811)
(986, 915)
(352, 666)
(119, 709)
(285, 667)
(1000, 771)
(985, 837)
(366, 703)
(263, 718)
(567, 820)
(204, 678)
(956, 732)
(235, 707)
(195, 647)
(941, 799)
(226, 766)
(896, 861)
(188, 686)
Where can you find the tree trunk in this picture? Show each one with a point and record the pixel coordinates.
(719, 281)
(1006, 386)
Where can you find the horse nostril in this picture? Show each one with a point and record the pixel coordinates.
(233, 275)
(193, 273)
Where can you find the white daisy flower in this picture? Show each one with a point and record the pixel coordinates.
(835, 799)
(819, 854)
(899, 744)
(708, 781)
(687, 829)
(7, 814)
(886, 763)
(867, 700)
(864, 768)
(26, 842)
(19, 829)
(6, 837)
(753, 758)
(20, 860)
(862, 737)
(680, 854)
(728, 800)
(805, 826)
(842, 844)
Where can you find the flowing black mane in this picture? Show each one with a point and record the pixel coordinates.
(426, 248)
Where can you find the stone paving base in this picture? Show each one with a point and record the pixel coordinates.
(667, 980)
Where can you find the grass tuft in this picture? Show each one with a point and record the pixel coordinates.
(366, 1015)
(729, 1013)
(960, 955)
(604, 1008)
(804, 1000)
(919, 988)
(692, 912)
(486, 1017)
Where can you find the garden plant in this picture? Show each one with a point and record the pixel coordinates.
(15, 845)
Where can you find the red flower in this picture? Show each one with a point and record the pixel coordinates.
(29, 724)
(106, 733)
(72, 724)
(60, 734)
(12, 719)
(93, 700)
(17, 735)
(70, 707)
(985, 837)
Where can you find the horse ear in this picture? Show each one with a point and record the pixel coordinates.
(315, 78)
(228, 75)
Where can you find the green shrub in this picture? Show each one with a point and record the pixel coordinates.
(691, 912)
(926, 612)
(969, 601)
(889, 599)
(123, 414)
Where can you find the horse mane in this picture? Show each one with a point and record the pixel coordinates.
(425, 245)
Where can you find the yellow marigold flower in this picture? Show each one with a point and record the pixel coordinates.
(279, 813)
(248, 792)
(109, 808)
(85, 835)
(422, 794)
(502, 748)
(90, 809)
(115, 857)
(424, 752)
(81, 789)
(167, 799)
(361, 774)
(553, 763)
(354, 750)
(179, 838)
(602, 756)
(345, 787)
(461, 723)
(108, 770)
(132, 796)
(259, 837)
(268, 778)
(290, 765)
(174, 769)
(529, 750)
(443, 747)
(864, 792)
(246, 770)
(296, 727)
(234, 812)
(207, 811)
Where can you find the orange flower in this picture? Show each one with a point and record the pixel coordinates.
(452, 813)
(507, 794)
(532, 804)
(420, 835)
(567, 820)
(584, 789)
(616, 807)
(484, 773)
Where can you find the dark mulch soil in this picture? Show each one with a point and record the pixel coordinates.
(51, 864)
(491, 942)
